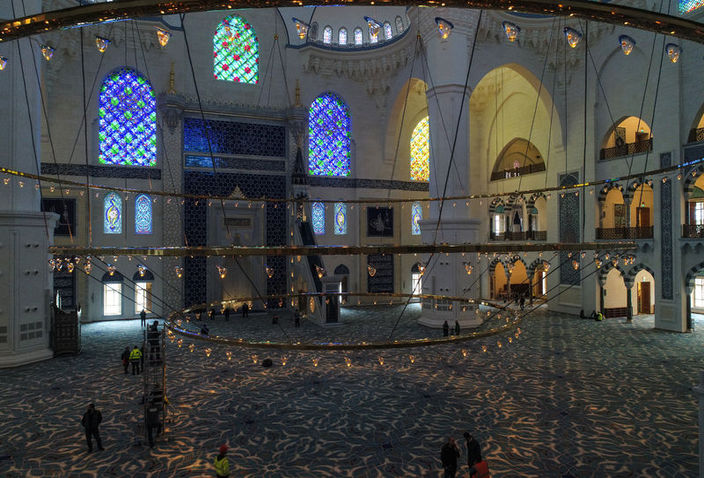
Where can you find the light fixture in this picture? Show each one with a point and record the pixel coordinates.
(572, 36)
(141, 269)
(163, 36)
(47, 52)
(208, 351)
(444, 26)
(468, 268)
(627, 44)
(381, 360)
(101, 44)
(673, 52)
(269, 271)
(374, 26)
(111, 269)
(69, 267)
(87, 267)
(371, 270)
(222, 271)
(320, 271)
(511, 30)
(3, 62)
(575, 264)
(301, 28)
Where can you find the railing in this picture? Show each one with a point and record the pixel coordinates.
(624, 232)
(519, 236)
(693, 231)
(515, 172)
(627, 149)
(696, 135)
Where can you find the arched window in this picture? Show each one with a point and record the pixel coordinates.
(340, 218)
(112, 214)
(358, 40)
(420, 151)
(342, 37)
(143, 280)
(399, 25)
(518, 158)
(313, 32)
(374, 37)
(318, 218)
(329, 137)
(127, 124)
(112, 293)
(143, 214)
(327, 35)
(236, 51)
(388, 32)
(416, 217)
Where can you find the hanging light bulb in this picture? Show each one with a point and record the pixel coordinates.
(3, 62)
(47, 52)
(284, 360)
(373, 25)
(222, 271)
(208, 351)
(179, 271)
(381, 360)
(673, 52)
(484, 348)
(573, 37)
(421, 269)
(191, 347)
(627, 44)
(141, 269)
(575, 264)
(468, 268)
(315, 361)
(320, 271)
(269, 271)
(444, 26)
(348, 362)
(163, 36)
(52, 264)
(101, 44)
(464, 352)
(255, 358)
(371, 270)
(301, 28)
(228, 354)
(412, 358)
(69, 267)
(511, 30)
(179, 342)
(87, 267)
(111, 269)
(598, 263)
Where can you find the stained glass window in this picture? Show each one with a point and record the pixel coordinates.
(112, 214)
(420, 151)
(388, 32)
(373, 38)
(328, 137)
(342, 37)
(340, 218)
(687, 6)
(127, 120)
(318, 218)
(399, 25)
(327, 35)
(416, 216)
(358, 40)
(236, 51)
(143, 214)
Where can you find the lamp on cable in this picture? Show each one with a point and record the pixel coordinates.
(101, 44)
(572, 36)
(371, 270)
(301, 28)
(163, 36)
(222, 271)
(673, 52)
(47, 52)
(627, 44)
(269, 271)
(3, 63)
(511, 30)
(320, 271)
(444, 27)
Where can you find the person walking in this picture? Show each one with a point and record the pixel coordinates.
(448, 455)
(474, 451)
(222, 464)
(135, 358)
(445, 329)
(143, 318)
(480, 469)
(90, 421)
(126, 359)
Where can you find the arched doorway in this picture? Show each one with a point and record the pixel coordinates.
(613, 210)
(518, 280)
(614, 294)
(642, 214)
(540, 281)
(643, 293)
(344, 273)
(694, 210)
(499, 282)
(417, 280)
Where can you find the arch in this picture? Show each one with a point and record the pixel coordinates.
(498, 279)
(629, 135)
(313, 31)
(388, 31)
(613, 209)
(518, 158)
(642, 205)
(420, 151)
(142, 214)
(318, 218)
(537, 274)
(693, 180)
(416, 217)
(116, 276)
(327, 35)
(694, 207)
(127, 120)
(329, 136)
(692, 274)
(633, 271)
(417, 268)
(147, 277)
(112, 213)
(340, 216)
(341, 269)
(236, 51)
(518, 278)
(642, 296)
(358, 37)
(604, 191)
(614, 289)
(399, 25)
(342, 37)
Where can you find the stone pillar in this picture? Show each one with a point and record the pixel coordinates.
(629, 301)
(25, 232)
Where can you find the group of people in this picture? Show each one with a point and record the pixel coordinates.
(450, 453)
(446, 329)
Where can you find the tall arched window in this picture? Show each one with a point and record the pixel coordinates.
(127, 120)
(329, 136)
(112, 213)
(420, 151)
(388, 32)
(340, 218)
(399, 25)
(236, 51)
(416, 216)
(358, 39)
(342, 37)
(143, 214)
(373, 37)
(327, 35)
(318, 219)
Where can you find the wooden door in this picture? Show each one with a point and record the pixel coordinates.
(644, 298)
(643, 216)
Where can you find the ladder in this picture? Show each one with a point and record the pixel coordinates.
(154, 378)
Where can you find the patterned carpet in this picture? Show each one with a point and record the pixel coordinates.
(569, 398)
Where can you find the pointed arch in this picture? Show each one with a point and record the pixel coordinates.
(329, 136)
(420, 151)
(112, 213)
(143, 214)
(236, 51)
(518, 158)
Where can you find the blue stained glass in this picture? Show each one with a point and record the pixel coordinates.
(143, 214)
(318, 218)
(112, 214)
(329, 137)
(340, 218)
(687, 6)
(127, 124)
(416, 217)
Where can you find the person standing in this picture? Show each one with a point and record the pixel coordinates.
(445, 329)
(227, 314)
(245, 310)
(449, 454)
(457, 328)
(152, 419)
(143, 318)
(480, 469)
(126, 359)
(222, 464)
(90, 421)
(474, 451)
(135, 358)
(153, 339)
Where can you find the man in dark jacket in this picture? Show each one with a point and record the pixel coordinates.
(126, 359)
(153, 339)
(449, 454)
(90, 421)
(474, 451)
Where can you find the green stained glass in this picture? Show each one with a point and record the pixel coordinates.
(236, 52)
(329, 137)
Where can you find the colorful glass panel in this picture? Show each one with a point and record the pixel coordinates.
(327, 35)
(328, 137)
(340, 218)
(388, 32)
(236, 52)
(112, 214)
(358, 40)
(687, 6)
(342, 37)
(143, 214)
(127, 120)
(416, 216)
(318, 218)
(420, 151)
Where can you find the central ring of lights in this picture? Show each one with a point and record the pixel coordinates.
(178, 322)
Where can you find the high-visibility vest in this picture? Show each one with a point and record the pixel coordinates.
(482, 470)
(222, 467)
(136, 354)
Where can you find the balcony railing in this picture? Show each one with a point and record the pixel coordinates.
(624, 232)
(693, 231)
(696, 135)
(515, 172)
(627, 149)
(519, 236)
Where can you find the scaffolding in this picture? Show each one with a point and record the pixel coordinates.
(154, 377)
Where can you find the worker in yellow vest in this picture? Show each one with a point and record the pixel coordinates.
(135, 358)
(222, 464)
